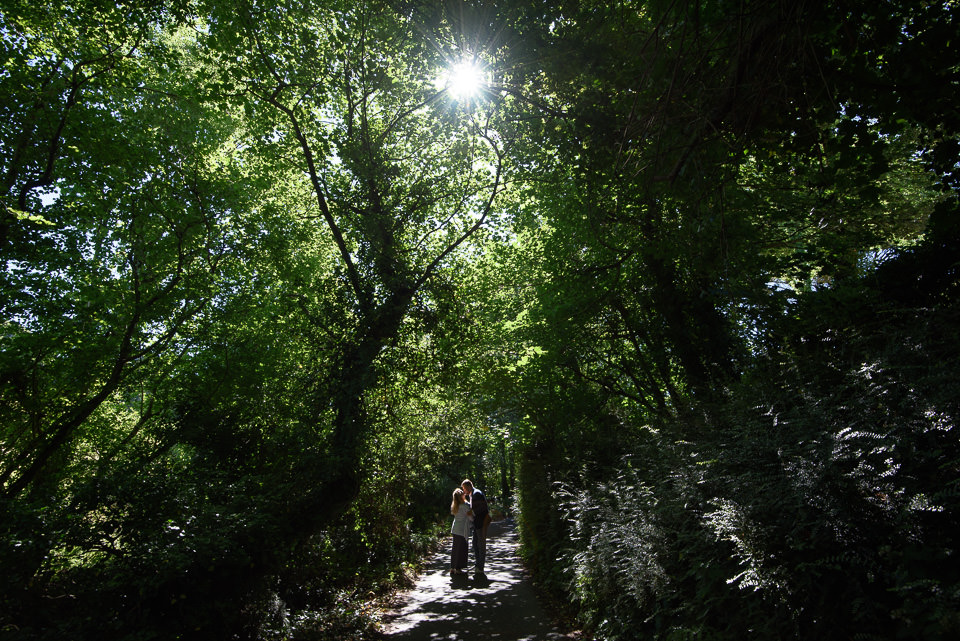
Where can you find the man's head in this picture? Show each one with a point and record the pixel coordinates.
(467, 486)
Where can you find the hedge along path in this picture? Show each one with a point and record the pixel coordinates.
(504, 606)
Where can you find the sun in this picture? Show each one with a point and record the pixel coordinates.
(463, 80)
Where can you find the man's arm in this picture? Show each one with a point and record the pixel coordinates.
(479, 504)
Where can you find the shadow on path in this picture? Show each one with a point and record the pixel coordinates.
(501, 606)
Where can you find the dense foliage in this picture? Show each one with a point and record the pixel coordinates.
(682, 277)
(739, 337)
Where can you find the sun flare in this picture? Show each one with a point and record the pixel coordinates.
(463, 80)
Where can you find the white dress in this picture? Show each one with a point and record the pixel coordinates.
(461, 521)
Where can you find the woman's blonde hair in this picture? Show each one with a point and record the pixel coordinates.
(457, 500)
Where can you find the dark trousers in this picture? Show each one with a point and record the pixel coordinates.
(458, 558)
(479, 548)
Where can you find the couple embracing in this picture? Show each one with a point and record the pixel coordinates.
(470, 516)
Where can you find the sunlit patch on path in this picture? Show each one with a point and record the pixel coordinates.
(502, 606)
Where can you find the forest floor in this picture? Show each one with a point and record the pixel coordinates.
(502, 606)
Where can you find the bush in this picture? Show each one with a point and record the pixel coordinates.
(821, 500)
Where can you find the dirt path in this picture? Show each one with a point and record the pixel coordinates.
(504, 606)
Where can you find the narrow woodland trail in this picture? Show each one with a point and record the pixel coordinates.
(504, 606)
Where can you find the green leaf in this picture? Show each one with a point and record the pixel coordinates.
(32, 218)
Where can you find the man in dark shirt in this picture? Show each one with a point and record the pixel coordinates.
(481, 520)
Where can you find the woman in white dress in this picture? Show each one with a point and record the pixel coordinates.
(462, 517)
